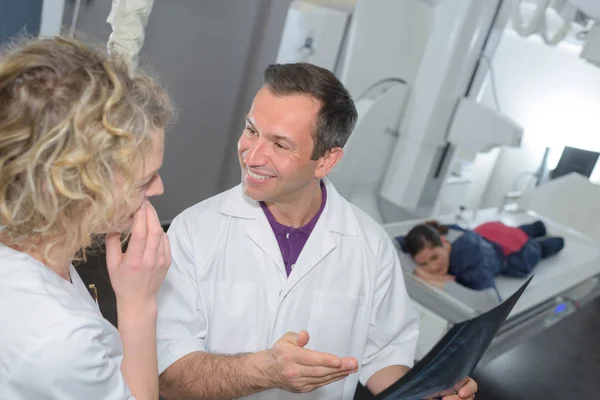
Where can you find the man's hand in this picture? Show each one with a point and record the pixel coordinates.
(290, 367)
(466, 390)
(463, 390)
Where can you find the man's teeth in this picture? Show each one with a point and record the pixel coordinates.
(256, 176)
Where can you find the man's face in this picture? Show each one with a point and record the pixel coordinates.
(276, 146)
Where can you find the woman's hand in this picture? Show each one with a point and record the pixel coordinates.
(136, 277)
(433, 279)
(137, 274)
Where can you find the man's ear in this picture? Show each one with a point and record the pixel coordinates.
(328, 161)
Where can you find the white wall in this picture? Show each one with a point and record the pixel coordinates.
(553, 94)
(52, 15)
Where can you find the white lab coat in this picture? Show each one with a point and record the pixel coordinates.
(54, 343)
(227, 290)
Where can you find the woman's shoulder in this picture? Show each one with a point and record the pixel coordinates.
(30, 289)
(467, 240)
(52, 340)
(70, 357)
(41, 311)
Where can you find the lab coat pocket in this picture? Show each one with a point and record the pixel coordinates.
(334, 319)
(234, 313)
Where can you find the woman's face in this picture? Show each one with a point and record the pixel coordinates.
(434, 260)
(148, 181)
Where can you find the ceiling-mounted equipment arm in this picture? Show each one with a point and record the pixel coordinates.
(128, 19)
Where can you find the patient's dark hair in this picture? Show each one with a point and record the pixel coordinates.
(423, 235)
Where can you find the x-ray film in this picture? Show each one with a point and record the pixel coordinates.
(454, 357)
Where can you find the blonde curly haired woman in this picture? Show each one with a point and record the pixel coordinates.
(81, 142)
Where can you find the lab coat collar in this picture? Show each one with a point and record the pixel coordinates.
(337, 213)
(337, 217)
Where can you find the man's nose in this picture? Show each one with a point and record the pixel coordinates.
(256, 154)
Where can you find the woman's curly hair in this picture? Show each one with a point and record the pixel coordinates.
(72, 117)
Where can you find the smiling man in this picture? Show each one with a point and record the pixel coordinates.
(279, 285)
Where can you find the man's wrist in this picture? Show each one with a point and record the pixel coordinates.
(260, 368)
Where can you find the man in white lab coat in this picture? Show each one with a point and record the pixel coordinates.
(279, 285)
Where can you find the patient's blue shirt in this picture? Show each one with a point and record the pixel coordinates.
(475, 261)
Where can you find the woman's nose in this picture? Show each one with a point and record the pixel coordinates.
(156, 187)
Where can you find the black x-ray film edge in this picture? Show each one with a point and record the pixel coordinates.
(441, 368)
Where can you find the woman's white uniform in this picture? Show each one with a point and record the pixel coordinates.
(54, 343)
(227, 290)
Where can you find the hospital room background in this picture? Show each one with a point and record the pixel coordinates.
(542, 99)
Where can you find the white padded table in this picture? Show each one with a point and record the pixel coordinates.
(578, 262)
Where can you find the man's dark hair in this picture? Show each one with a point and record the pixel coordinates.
(336, 118)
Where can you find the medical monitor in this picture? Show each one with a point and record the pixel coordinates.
(575, 160)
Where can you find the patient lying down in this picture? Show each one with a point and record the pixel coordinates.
(474, 257)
